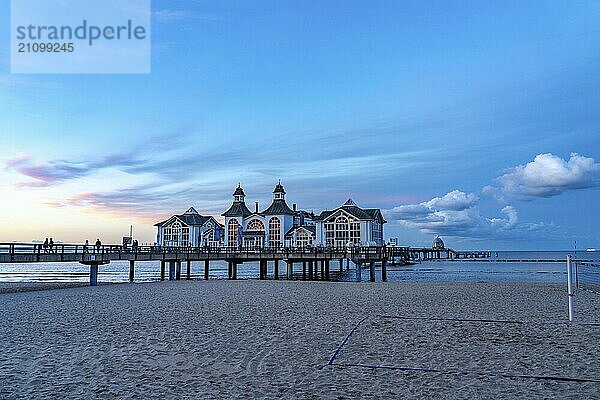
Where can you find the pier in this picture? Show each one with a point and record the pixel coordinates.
(314, 263)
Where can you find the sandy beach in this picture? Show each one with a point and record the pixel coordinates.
(253, 339)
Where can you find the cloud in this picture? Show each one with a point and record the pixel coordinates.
(457, 214)
(546, 176)
(43, 174)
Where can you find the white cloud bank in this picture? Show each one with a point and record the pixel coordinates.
(457, 214)
(547, 175)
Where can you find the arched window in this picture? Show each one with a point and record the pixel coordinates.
(341, 231)
(256, 225)
(274, 232)
(232, 231)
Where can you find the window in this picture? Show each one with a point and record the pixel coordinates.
(166, 236)
(342, 231)
(329, 233)
(209, 236)
(256, 225)
(303, 238)
(176, 230)
(232, 231)
(274, 232)
(185, 236)
(377, 233)
(355, 232)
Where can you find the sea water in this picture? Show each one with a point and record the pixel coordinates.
(494, 269)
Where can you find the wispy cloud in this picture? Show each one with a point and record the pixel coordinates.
(546, 176)
(44, 174)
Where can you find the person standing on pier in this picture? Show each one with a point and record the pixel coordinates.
(45, 245)
(85, 246)
(98, 245)
(51, 244)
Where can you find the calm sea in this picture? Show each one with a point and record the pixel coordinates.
(494, 269)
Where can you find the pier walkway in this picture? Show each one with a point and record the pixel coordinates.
(314, 261)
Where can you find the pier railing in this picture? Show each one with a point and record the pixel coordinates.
(37, 252)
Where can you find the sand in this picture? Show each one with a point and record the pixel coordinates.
(253, 339)
(17, 287)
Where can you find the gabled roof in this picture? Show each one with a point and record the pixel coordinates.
(306, 214)
(323, 215)
(237, 209)
(310, 228)
(351, 208)
(190, 218)
(278, 207)
(254, 215)
(376, 214)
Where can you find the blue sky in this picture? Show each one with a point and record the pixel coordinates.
(477, 120)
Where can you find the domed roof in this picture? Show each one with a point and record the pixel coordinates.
(438, 243)
(239, 191)
(279, 188)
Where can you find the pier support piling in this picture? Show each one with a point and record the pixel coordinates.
(372, 271)
(188, 272)
(322, 270)
(290, 270)
(303, 270)
(171, 270)
(131, 270)
(358, 272)
(206, 265)
(234, 266)
(178, 270)
(262, 270)
(276, 269)
(162, 270)
(310, 270)
(93, 274)
(384, 270)
(326, 269)
(341, 265)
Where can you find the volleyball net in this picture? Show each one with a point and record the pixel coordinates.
(587, 276)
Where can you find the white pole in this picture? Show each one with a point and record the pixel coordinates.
(570, 287)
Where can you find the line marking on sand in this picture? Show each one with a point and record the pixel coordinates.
(492, 321)
(337, 351)
(495, 321)
(449, 372)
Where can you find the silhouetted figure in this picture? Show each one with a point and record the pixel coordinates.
(98, 245)
(134, 246)
(85, 246)
(51, 244)
(45, 245)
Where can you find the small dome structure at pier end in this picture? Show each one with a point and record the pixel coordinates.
(438, 243)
